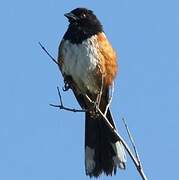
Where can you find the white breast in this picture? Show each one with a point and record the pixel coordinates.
(80, 61)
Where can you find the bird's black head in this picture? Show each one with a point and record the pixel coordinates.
(83, 25)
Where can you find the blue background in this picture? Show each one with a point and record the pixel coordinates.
(40, 142)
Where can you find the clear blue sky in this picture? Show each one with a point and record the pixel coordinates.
(39, 142)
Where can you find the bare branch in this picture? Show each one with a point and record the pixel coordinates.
(51, 57)
(110, 99)
(132, 142)
(101, 90)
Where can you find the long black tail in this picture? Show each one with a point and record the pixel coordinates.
(103, 153)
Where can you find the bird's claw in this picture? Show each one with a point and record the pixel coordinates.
(66, 86)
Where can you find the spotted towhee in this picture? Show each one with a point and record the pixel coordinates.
(87, 59)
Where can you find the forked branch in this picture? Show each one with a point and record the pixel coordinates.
(133, 143)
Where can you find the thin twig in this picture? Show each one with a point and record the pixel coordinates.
(51, 57)
(110, 99)
(101, 89)
(132, 142)
(61, 106)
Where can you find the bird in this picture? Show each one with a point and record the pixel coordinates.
(88, 63)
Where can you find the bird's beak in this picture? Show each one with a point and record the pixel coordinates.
(70, 16)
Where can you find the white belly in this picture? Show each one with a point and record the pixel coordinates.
(80, 62)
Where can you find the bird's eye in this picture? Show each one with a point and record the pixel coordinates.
(83, 15)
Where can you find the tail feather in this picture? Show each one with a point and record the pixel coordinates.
(103, 152)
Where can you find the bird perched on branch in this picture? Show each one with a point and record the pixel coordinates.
(88, 62)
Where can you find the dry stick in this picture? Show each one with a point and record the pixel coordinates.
(110, 99)
(135, 161)
(132, 142)
(101, 91)
(51, 57)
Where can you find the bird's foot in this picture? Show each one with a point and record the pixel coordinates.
(66, 86)
(67, 83)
